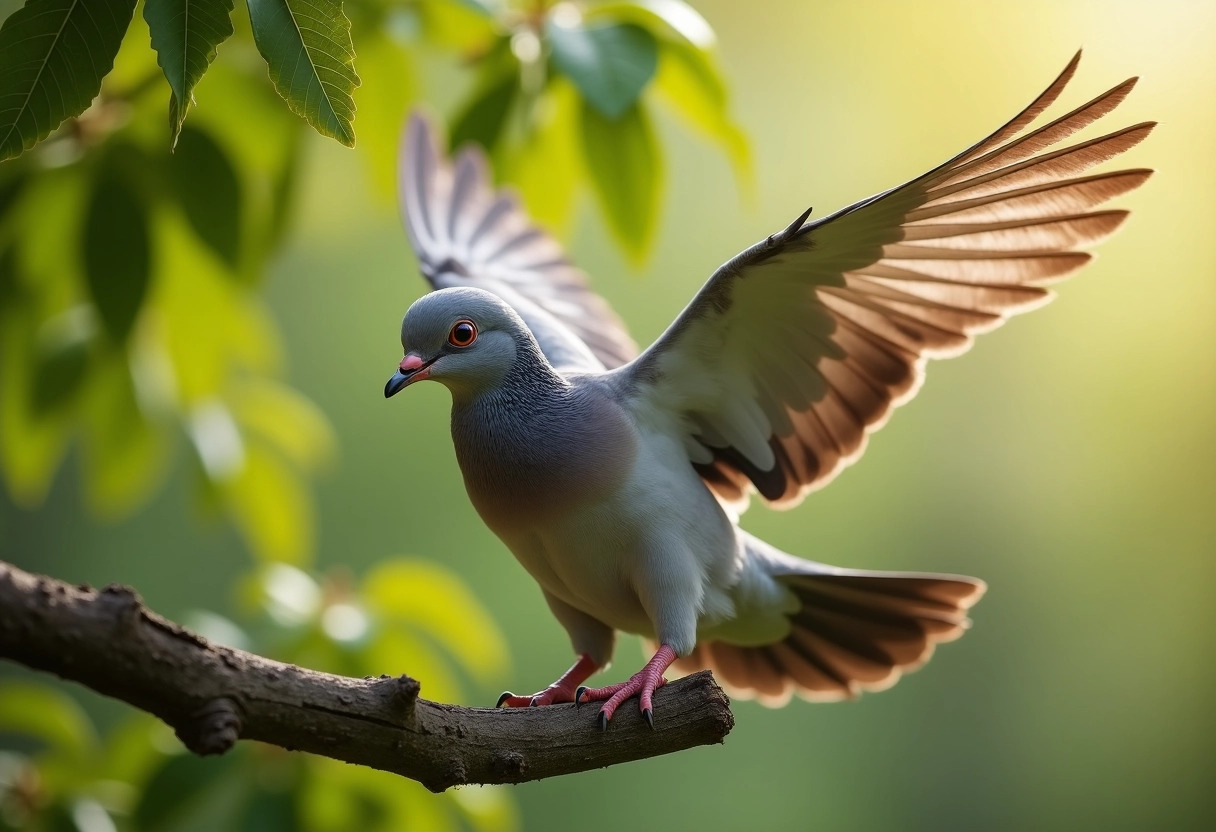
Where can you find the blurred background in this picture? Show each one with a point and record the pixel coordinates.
(229, 453)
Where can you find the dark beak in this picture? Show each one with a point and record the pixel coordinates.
(396, 383)
(411, 369)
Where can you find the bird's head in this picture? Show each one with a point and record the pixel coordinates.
(463, 337)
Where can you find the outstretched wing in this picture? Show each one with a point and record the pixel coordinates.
(801, 346)
(466, 233)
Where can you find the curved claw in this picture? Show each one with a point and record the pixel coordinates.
(578, 694)
(506, 694)
(642, 684)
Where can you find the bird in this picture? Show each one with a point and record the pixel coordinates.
(617, 477)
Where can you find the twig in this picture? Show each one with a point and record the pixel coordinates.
(212, 696)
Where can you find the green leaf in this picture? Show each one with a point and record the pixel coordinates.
(626, 169)
(689, 77)
(209, 191)
(57, 375)
(691, 85)
(117, 256)
(464, 27)
(307, 45)
(126, 456)
(427, 596)
(184, 786)
(32, 442)
(485, 117)
(272, 506)
(212, 326)
(610, 64)
(282, 416)
(53, 55)
(269, 811)
(487, 810)
(667, 19)
(46, 714)
(13, 177)
(546, 166)
(185, 35)
(61, 355)
(10, 288)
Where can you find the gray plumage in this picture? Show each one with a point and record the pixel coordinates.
(616, 480)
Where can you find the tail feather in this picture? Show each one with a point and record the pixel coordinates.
(855, 631)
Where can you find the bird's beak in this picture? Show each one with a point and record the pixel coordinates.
(411, 369)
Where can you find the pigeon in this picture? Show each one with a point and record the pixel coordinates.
(617, 478)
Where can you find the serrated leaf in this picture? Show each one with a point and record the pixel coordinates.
(307, 45)
(209, 191)
(626, 169)
(186, 35)
(53, 55)
(610, 64)
(117, 254)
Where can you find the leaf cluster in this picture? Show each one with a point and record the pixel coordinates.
(131, 252)
(143, 192)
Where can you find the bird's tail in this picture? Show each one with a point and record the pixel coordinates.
(855, 631)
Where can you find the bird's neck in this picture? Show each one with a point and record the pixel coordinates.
(530, 383)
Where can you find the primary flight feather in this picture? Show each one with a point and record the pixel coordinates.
(616, 478)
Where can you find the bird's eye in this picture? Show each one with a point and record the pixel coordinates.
(462, 334)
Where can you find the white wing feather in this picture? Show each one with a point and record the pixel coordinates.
(801, 346)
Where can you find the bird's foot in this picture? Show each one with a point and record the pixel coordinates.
(560, 691)
(643, 684)
(553, 695)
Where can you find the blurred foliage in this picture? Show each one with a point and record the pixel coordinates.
(133, 250)
(131, 256)
(62, 774)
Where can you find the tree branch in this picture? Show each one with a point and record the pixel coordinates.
(212, 696)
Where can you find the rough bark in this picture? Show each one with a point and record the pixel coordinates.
(213, 695)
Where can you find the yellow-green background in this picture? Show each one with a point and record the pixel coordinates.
(1068, 460)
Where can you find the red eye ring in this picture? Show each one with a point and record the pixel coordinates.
(463, 334)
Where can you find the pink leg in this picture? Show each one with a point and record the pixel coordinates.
(560, 691)
(643, 683)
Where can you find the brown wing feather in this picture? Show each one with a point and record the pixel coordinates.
(854, 632)
(858, 301)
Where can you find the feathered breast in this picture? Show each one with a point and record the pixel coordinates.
(528, 454)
